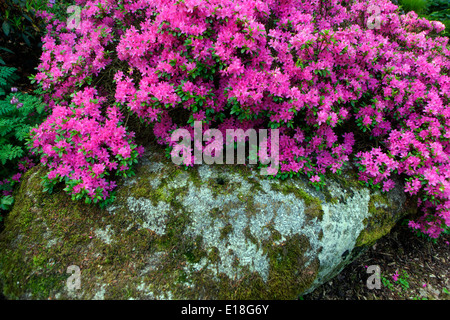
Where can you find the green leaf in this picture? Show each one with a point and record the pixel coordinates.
(7, 200)
(6, 28)
(6, 49)
(40, 108)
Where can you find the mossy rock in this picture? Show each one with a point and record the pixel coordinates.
(209, 232)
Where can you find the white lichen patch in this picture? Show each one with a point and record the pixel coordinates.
(111, 209)
(104, 235)
(341, 225)
(154, 217)
(152, 263)
(129, 182)
(155, 183)
(51, 243)
(284, 213)
(206, 172)
(47, 235)
(155, 167)
(180, 181)
(145, 289)
(100, 294)
(200, 202)
(289, 217)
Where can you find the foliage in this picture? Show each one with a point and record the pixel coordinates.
(7, 78)
(440, 10)
(19, 112)
(21, 22)
(438, 5)
(400, 282)
(421, 234)
(418, 6)
(339, 88)
(2, 62)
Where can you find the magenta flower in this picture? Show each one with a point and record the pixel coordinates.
(395, 276)
(16, 177)
(323, 87)
(14, 100)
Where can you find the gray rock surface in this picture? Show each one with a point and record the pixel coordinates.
(209, 232)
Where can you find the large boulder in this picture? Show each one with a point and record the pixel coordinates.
(209, 232)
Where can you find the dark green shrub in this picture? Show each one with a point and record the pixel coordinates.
(440, 10)
(438, 5)
(21, 27)
(19, 112)
(20, 23)
(418, 6)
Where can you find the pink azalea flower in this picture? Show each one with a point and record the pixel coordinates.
(395, 276)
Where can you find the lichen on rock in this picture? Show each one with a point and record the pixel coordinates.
(209, 232)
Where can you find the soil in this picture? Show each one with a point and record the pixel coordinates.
(422, 266)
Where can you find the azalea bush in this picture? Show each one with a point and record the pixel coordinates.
(343, 81)
(82, 147)
(440, 10)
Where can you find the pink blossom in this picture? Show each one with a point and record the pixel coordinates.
(395, 276)
(319, 75)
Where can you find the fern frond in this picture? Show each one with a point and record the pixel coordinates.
(22, 132)
(9, 152)
(7, 78)
(6, 126)
(5, 108)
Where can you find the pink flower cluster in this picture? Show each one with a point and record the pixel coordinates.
(336, 88)
(7, 184)
(81, 146)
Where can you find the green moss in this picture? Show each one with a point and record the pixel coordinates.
(250, 237)
(175, 227)
(288, 275)
(225, 231)
(313, 206)
(213, 255)
(182, 277)
(275, 234)
(194, 176)
(73, 223)
(193, 250)
(379, 223)
(41, 286)
(39, 261)
(251, 208)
